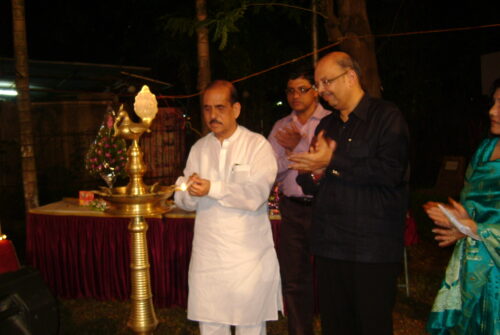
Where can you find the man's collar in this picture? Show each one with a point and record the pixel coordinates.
(319, 113)
(361, 109)
(231, 138)
(234, 135)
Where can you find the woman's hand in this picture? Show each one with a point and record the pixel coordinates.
(436, 215)
(446, 233)
(447, 237)
(462, 216)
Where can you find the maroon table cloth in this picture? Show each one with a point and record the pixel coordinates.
(88, 256)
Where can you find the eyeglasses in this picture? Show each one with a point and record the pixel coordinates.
(300, 90)
(328, 82)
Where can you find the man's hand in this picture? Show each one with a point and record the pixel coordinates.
(288, 137)
(199, 186)
(319, 156)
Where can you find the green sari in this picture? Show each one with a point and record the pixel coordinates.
(468, 301)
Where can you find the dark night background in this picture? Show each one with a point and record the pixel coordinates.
(434, 78)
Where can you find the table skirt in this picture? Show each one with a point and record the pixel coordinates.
(88, 256)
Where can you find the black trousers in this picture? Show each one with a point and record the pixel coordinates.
(296, 266)
(356, 298)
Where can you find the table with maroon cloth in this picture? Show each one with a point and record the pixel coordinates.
(82, 253)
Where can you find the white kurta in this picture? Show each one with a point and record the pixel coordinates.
(233, 274)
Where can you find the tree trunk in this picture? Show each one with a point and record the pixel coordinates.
(352, 22)
(314, 32)
(24, 106)
(203, 55)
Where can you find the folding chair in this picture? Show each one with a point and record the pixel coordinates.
(406, 284)
(410, 238)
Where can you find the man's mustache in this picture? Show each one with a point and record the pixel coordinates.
(213, 121)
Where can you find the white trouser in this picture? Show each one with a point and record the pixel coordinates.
(208, 328)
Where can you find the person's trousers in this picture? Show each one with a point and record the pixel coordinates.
(209, 328)
(295, 265)
(356, 298)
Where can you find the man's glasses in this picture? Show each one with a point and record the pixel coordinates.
(328, 82)
(299, 91)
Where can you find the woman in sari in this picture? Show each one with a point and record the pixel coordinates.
(468, 301)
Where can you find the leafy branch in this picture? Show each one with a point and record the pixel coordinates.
(223, 22)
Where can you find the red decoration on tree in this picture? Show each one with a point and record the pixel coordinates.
(273, 201)
(107, 155)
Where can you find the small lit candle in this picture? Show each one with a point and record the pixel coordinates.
(183, 186)
(3, 240)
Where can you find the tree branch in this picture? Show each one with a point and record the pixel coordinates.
(289, 6)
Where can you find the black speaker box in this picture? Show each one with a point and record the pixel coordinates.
(26, 305)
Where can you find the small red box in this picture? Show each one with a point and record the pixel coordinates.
(85, 197)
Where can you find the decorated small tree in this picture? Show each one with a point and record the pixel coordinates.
(107, 155)
(273, 201)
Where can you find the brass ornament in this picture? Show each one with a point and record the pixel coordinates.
(137, 200)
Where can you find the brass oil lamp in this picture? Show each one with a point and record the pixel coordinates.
(137, 200)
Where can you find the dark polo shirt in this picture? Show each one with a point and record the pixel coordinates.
(360, 204)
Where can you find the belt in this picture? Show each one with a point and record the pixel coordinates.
(306, 201)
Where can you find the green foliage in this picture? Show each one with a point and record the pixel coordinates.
(224, 17)
(222, 23)
(225, 23)
(180, 25)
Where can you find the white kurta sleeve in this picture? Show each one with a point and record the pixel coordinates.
(182, 198)
(249, 187)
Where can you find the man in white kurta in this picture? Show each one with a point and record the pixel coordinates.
(233, 274)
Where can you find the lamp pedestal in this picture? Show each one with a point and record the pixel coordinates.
(137, 200)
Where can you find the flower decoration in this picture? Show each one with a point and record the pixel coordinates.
(98, 205)
(107, 155)
(273, 201)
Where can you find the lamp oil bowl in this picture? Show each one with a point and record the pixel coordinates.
(153, 202)
(137, 200)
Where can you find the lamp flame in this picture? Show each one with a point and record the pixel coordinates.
(183, 186)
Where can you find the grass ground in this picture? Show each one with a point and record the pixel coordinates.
(426, 267)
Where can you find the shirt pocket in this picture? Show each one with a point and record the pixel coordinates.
(240, 173)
